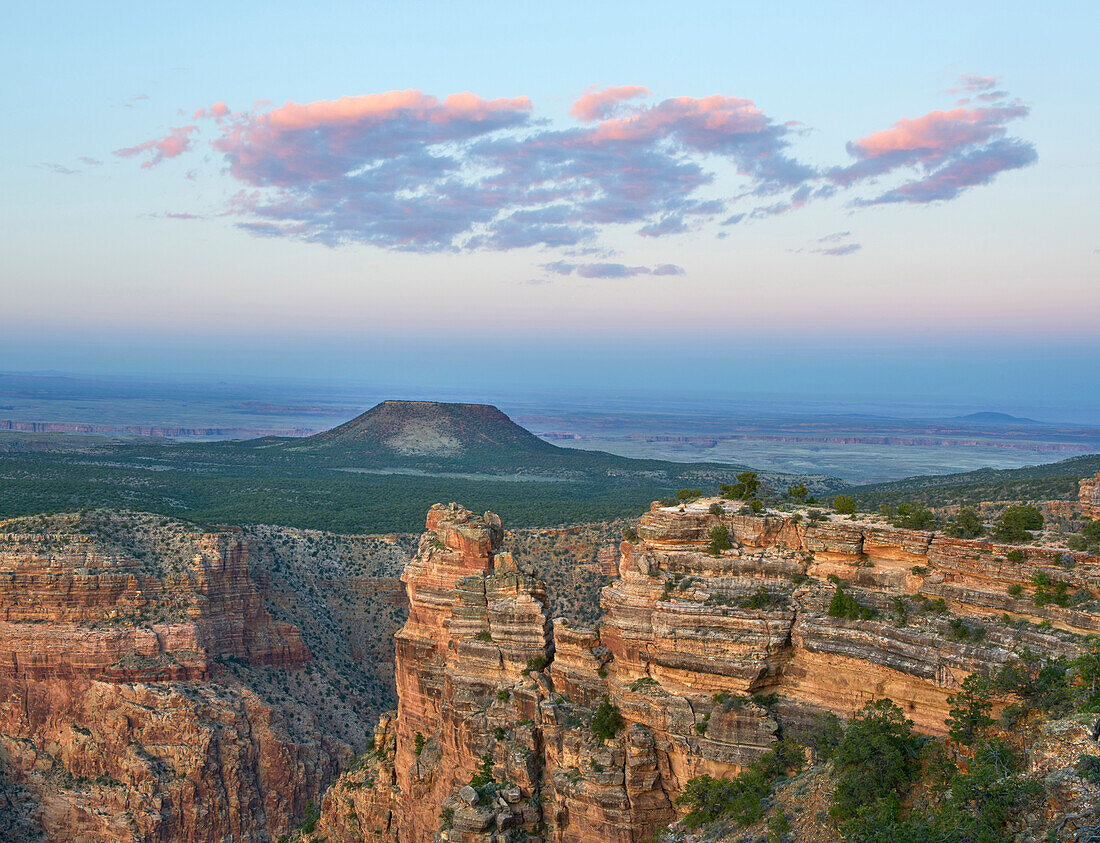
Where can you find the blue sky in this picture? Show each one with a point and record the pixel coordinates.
(937, 164)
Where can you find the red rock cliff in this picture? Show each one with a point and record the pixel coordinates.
(118, 711)
(687, 638)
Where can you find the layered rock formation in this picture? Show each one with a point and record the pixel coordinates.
(706, 653)
(1090, 496)
(128, 706)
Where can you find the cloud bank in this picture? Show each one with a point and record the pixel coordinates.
(407, 171)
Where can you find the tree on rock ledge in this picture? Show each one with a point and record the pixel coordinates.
(1016, 524)
(970, 709)
(877, 760)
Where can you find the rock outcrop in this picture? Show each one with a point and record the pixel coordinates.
(704, 656)
(129, 706)
(1090, 496)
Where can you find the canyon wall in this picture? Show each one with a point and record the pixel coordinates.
(708, 654)
(1090, 496)
(129, 706)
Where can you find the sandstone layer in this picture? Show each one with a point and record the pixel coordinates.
(707, 653)
(1090, 496)
(129, 670)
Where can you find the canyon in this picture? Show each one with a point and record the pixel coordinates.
(161, 681)
(148, 693)
(707, 654)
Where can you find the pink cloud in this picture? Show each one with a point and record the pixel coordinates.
(371, 108)
(936, 140)
(703, 122)
(977, 166)
(327, 138)
(596, 105)
(405, 170)
(176, 142)
(218, 111)
(938, 132)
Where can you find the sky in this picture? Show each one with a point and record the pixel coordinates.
(881, 200)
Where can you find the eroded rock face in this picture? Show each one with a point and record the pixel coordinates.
(706, 658)
(1090, 496)
(126, 708)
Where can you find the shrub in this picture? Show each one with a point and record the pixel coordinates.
(1015, 589)
(759, 599)
(765, 700)
(502, 695)
(1015, 556)
(1049, 592)
(815, 515)
(876, 760)
(688, 494)
(1088, 768)
(1088, 672)
(974, 806)
(607, 721)
(719, 537)
(844, 504)
(1037, 683)
(961, 632)
(534, 665)
(729, 702)
(967, 524)
(484, 773)
(1016, 524)
(418, 743)
(1091, 531)
(741, 799)
(901, 610)
(710, 799)
(309, 822)
(823, 736)
(778, 826)
(630, 535)
(797, 492)
(447, 816)
(914, 517)
(756, 505)
(483, 636)
(843, 605)
(716, 509)
(1077, 543)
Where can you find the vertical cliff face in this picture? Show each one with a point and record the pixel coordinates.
(1090, 496)
(475, 622)
(131, 706)
(706, 655)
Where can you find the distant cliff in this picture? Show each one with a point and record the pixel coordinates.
(145, 691)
